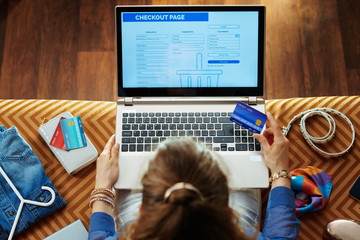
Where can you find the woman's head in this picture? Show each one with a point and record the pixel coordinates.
(184, 161)
(199, 211)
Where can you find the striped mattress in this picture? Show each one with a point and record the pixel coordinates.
(99, 124)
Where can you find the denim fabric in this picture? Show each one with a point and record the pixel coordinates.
(25, 171)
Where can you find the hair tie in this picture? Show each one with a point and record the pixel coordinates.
(179, 186)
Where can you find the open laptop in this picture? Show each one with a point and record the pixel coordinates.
(181, 71)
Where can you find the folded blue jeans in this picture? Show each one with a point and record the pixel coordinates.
(26, 172)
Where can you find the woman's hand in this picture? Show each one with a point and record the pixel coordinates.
(107, 172)
(107, 165)
(276, 150)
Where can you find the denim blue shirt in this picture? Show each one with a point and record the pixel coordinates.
(24, 169)
(280, 221)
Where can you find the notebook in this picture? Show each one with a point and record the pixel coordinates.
(74, 160)
(73, 231)
(181, 71)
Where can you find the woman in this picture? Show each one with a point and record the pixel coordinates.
(185, 195)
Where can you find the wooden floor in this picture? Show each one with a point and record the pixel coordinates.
(66, 49)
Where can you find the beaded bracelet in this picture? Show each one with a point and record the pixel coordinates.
(277, 175)
(101, 197)
(106, 191)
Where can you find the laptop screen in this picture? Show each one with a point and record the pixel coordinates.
(190, 51)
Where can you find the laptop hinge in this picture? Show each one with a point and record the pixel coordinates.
(128, 101)
(252, 100)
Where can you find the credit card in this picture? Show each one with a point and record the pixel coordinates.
(57, 139)
(248, 117)
(73, 132)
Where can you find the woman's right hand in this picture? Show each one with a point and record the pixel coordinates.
(107, 165)
(275, 146)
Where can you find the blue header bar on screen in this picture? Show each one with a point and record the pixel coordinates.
(166, 17)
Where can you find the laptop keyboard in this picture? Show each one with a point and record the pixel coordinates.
(142, 132)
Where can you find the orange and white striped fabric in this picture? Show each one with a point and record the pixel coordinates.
(99, 124)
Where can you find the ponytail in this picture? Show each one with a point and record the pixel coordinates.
(185, 216)
(185, 196)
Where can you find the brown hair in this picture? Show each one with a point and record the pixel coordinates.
(185, 215)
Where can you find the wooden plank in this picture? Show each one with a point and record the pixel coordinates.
(353, 76)
(283, 67)
(59, 45)
(3, 17)
(322, 51)
(20, 57)
(97, 26)
(137, 2)
(96, 76)
(350, 31)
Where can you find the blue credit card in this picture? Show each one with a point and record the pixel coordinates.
(73, 132)
(248, 117)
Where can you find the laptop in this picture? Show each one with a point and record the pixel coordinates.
(181, 71)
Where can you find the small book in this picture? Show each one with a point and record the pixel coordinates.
(75, 159)
(74, 231)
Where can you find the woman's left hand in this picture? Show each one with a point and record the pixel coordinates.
(107, 165)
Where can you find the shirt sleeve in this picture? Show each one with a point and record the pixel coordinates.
(102, 227)
(280, 221)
